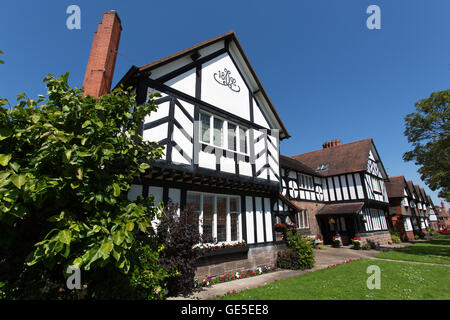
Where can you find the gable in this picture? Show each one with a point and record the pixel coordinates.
(223, 87)
(218, 73)
(374, 164)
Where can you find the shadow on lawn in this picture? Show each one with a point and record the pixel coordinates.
(435, 247)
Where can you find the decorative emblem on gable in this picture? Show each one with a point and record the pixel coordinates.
(224, 78)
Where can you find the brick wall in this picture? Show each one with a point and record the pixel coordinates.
(239, 262)
(381, 237)
(312, 208)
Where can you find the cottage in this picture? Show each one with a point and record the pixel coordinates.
(402, 207)
(342, 189)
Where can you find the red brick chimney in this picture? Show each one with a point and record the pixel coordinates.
(330, 144)
(102, 59)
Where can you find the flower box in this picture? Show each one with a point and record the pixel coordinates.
(225, 250)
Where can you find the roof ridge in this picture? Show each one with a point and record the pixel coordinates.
(203, 43)
(331, 148)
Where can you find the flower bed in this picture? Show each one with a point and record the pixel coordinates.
(209, 281)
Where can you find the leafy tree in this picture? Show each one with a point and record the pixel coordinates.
(1, 61)
(428, 129)
(66, 165)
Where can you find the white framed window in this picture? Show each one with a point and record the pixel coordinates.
(224, 134)
(302, 219)
(219, 215)
(407, 224)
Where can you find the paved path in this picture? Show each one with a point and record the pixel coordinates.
(324, 258)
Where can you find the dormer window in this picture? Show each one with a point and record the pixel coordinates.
(322, 167)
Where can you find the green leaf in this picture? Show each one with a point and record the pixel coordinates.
(68, 154)
(143, 166)
(85, 124)
(74, 185)
(77, 262)
(80, 174)
(130, 226)
(108, 149)
(18, 180)
(4, 175)
(64, 236)
(106, 248)
(116, 190)
(4, 159)
(5, 132)
(118, 237)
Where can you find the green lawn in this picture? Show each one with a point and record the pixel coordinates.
(399, 280)
(434, 251)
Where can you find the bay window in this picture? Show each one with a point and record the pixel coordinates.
(219, 215)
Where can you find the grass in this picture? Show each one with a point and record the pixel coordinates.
(399, 281)
(434, 251)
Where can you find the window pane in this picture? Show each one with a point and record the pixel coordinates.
(208, 213)
(205, 127)
(234, 204)
(193, 205)
(193, 202)
(306, 219)
(243, 140)
(231, 137)
(221, 219)
(218, 132)
(234, 226)
(234, 214)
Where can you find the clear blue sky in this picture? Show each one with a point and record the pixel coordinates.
(327, 74)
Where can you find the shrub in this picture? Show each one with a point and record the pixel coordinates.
(179, 236)
(66, 165)
(395, 238)
(304, 249)
(373, 244)
(366, 246)
(288, 259)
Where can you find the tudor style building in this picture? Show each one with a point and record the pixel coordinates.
(341, 183)
(403, 214)
(220, 133)
(221, 137)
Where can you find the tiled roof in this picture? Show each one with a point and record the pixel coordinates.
(296, 165)
(395, 187)
(343, 158)
(341, 208)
